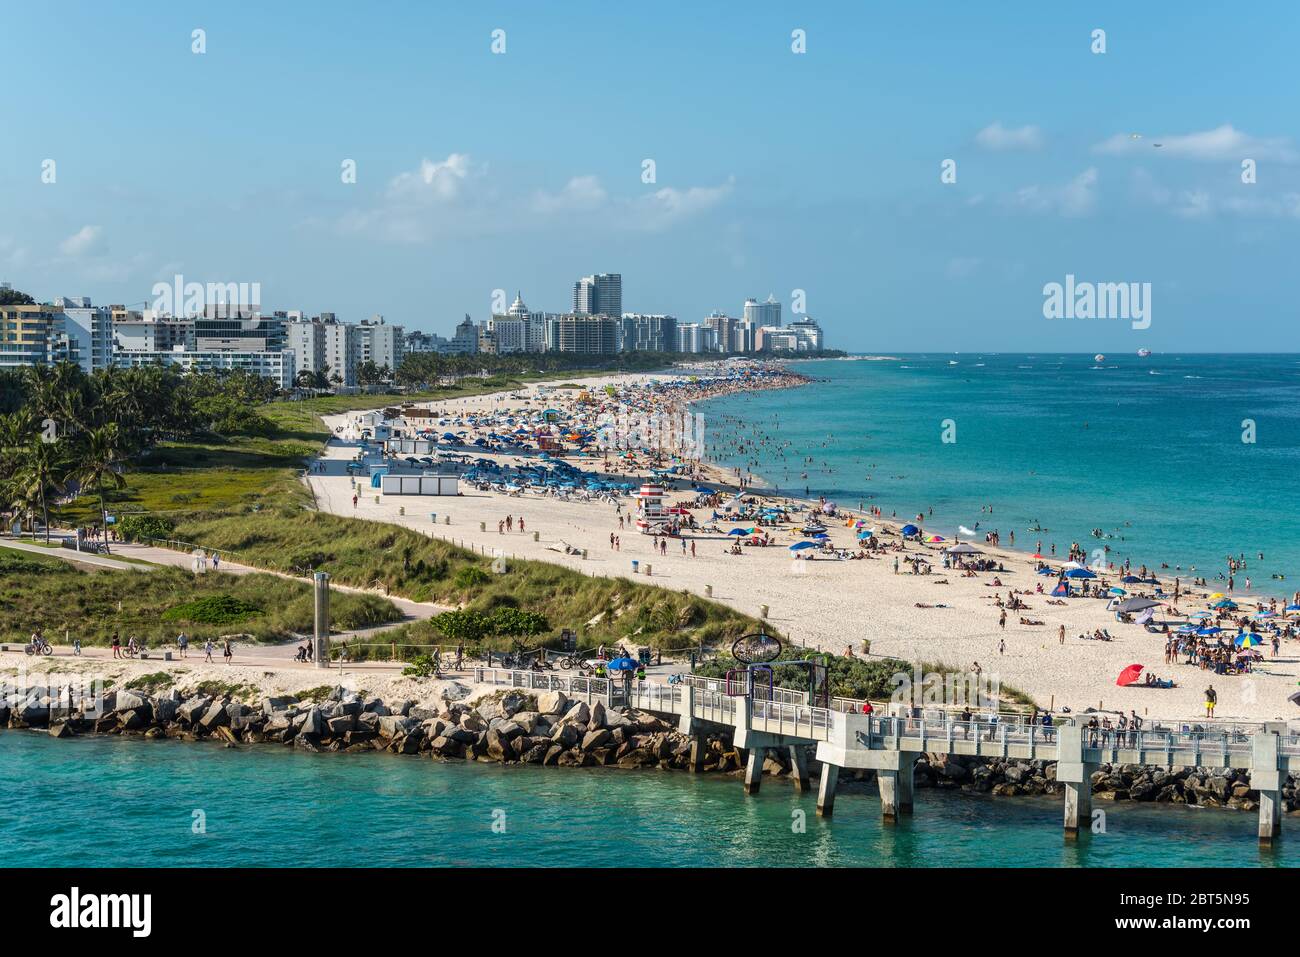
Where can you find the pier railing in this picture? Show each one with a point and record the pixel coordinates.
(542, 681)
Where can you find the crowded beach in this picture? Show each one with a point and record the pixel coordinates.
(611, 476)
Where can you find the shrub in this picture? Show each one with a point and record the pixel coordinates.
(213, 610)
(135, 528)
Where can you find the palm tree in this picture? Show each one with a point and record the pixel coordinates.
(43, 468)
(101, 457)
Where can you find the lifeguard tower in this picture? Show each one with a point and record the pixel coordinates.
(651, 512)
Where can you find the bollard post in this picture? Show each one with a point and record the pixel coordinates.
(647, 569)
(762, 611)
(537, 536)
(482, 526)
(708, 591)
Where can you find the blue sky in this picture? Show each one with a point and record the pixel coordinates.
(774, 171)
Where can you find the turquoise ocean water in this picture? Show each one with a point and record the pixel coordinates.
(94, 802)
(1150, 450)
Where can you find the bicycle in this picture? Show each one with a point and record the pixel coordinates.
(39, 646)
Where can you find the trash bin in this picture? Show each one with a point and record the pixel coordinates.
(635, 565)
(433, 517)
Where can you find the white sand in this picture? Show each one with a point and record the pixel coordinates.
(831, 604)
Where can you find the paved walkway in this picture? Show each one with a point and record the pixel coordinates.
(69, 555)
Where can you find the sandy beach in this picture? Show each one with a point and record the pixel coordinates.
(832, 605)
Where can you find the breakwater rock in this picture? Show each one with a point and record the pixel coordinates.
(1204, 787)
(511, 726)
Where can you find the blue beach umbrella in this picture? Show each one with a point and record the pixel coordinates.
(1225, 603)
(622, 664)
(909, 529)
(1247, 639)
(1201, 614)
(739, 531)
(1211, 630)
(1046, 571)
(1080, 573)
(1130, 579)
(800, 546)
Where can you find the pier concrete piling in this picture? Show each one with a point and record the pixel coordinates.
(754, 769)
(1076, 775)
(1267, 777)
(826, 789)
(799, 768)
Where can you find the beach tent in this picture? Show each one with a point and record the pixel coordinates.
(1129, 676)
(1225, 603)
(963, 549)
(1137, 604)
(1130, 579)
(1062, 590)
(1145, 617)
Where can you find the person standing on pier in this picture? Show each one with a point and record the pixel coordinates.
(1211, 699)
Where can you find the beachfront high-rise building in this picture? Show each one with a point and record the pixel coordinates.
(510, 332)
(640, 333)
(325, 345)
(599, 295)
(694, 337)
(587, 335)
(809, 334)
(766, 313)
(464, 341)
(146, 331)
(381, 343)
(725, 327)
(68, 329)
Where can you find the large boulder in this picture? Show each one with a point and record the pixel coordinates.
(192, 709)
(215, 717)
(341, 724)
(595, 739)
(552, 702)
(579, 714)
(597, 719)
(312, 723)
(127, 700)
(566, 735)
(276, 703)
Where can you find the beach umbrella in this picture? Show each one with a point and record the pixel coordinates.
(935, 539)
(1293, 607)
(1186, 629)
(1263, 614)
(1062, 590)
(963, 549)
(1117, 592)
(1128, 676)
(1225, 603)
(1046, 571)
(623, 664)
(1036, 555)
(865, 533)
(800, 546)
(1137, 604)
(1080, 573)
(1130, 579)
(1210, 630)
(1247, 639)
(909, 529)
(1073, 564)
(1200, 614)
(739, 531)
(1295, 698)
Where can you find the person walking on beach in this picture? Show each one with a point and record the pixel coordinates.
(1061, 634)
(1002, 620)
(521, 524)
(1002, 646)
(117, 645)
(693, 555)
(208, 648)
(354, 501)
(182, 643)
(227, 652)
(1211, 699)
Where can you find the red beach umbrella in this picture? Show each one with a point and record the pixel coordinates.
(1129, 675)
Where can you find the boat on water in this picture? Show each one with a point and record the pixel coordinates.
(1144, 353)
(1099, 358)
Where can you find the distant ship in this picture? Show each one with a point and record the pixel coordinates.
(1144, 353)
(1099, 358)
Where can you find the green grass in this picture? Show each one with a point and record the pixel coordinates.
(92, 604)
(242, 495)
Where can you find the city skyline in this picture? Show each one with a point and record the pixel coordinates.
(478, 170)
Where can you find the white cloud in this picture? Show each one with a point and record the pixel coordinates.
(442, 180)
(668, 205)
(1078, 197)
(1221, 143)
(579, 193)
(998, 137)
(962, 267)
(86, 240)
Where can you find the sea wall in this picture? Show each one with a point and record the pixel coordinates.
(513, 726)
